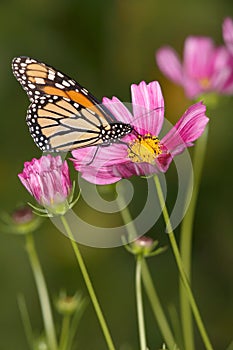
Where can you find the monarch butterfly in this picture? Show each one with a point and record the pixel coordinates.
(63, 115)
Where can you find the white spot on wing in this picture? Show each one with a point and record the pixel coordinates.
(32, 86)
(51, 76)
(60, 86)
(84, 91)
(60, 74)
(72, 82)
(40, 81)
(65, 83)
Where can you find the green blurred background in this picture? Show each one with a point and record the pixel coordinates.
(106, 46)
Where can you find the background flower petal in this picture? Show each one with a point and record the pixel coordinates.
(228, 33)
(169, 63)
(198, 57)
(192, 87)
(222, 79)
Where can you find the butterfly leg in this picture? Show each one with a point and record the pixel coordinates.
(93, 157)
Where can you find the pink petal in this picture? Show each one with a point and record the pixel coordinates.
(114, 173)
(47, 179)
(110, 165)
(222, 79)
(220, 75)
(84, 155)
(198, 53)
(163, 162)
(118, 109)
(103, 176)
(192, 87)
(190, 127)
(148, 107)
(99, 156)
(100, 171)
(228, 33)
(128, 169)
(169, 63)
(25, 183)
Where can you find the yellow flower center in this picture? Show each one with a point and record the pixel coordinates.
(205, 83)
(144, 149)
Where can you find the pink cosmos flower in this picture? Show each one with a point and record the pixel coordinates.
(47, 179)
(227, 29)
(143, 153)
(205, 67)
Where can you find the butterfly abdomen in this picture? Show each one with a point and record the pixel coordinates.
(114, 132)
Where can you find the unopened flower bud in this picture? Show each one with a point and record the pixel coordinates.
(67, 305)
(143, 245)
(21, 221)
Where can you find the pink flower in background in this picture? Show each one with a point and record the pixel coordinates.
(227, 29)
(47, 179)
(205, 67)
(145, 153)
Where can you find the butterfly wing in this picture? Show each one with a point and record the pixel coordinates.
(58, 124)
(63, 115)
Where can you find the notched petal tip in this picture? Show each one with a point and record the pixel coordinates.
(188, 129)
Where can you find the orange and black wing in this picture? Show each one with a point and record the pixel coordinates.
(63, 115)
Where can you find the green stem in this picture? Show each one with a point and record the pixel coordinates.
(138, 286)
(75, 322)
(179, 263)
(42, 292)
(26, 321)
(89, 286)
(147, 281)
(126, 216)
(65, 330)
(186, 240)
(157, 308)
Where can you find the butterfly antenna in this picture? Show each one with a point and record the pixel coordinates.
(148, 112)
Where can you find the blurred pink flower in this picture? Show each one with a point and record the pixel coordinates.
(143, 153)
(205, 67)
(47, 179)
(227, 29)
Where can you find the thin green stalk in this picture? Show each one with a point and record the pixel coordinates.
(42, 292)
(138, 287)
(75, 322)
(186, 240)
(26, 320)
(179, 263)
(126, 217)
(157, 308)
(89, 286)
(147, 281)
(65, 330)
